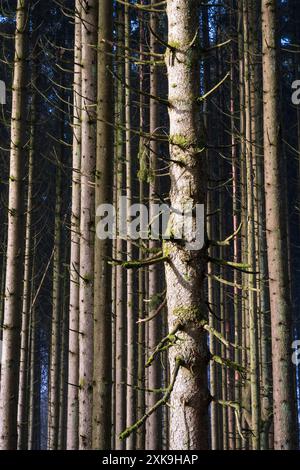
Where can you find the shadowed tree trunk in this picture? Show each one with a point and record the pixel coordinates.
(34, 430)
(24, 357)
(130, 399)
(285, 430)
(56, 336)
(141, 434)
(120, 329)
(102, 301)
(154, 428)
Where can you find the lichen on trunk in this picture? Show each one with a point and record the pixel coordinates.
(185, 270)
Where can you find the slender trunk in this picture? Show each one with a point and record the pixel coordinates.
(130, 399)
(24, 357)
(211, 233)
(73, 378)
(15, 240)
(120, 357)
(285, 429)
(154, 427)
(63, 373)
(141, 276)
(250, 96)
(55, 365)
(235, 221)
(102, 273)
(34, 379)
(87, 220)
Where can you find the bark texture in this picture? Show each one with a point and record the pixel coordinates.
(102, 300)
(87, 220)
(186, 269)
(285, 434)
(73, 379)
(15, 241)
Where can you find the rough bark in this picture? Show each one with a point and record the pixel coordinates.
(186, 268)
(102, 274)
(24, 357)
(73, 378)
(154, 427)
(15, 240)
(87, 220)
(285, 430)
(130, 399)
(120, 331)
(54, 363)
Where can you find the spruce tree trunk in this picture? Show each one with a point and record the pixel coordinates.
(54, 362)
(141, 434)
(154, 427)
(15, 240)
(186, 269)
(24, 357)
(34, 429)
(120, 328)
(251, 143)
(73, 378)
(87, 220)
(130, 399)
(63, 372)
(102, 300)
(285, 430)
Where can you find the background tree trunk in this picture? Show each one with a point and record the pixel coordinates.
(87, 220)
(285, 427)
(102, 274)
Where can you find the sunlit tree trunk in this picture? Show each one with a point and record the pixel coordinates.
(87, 220)
(73, 378)
(185, 269)
(15, 240)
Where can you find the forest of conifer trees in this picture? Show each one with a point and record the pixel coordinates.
(149, 225)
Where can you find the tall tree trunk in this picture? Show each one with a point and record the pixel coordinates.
(24, 357)
(130, 382)
(102, 299)
(73, 378)
(251, 135)
(63, 373)
(87, 220)
(185, 270)
(154, 427)
(15, 240)
(54, 363)
(120, 356)
(34, 429)
(285, 429)
(141, 276)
